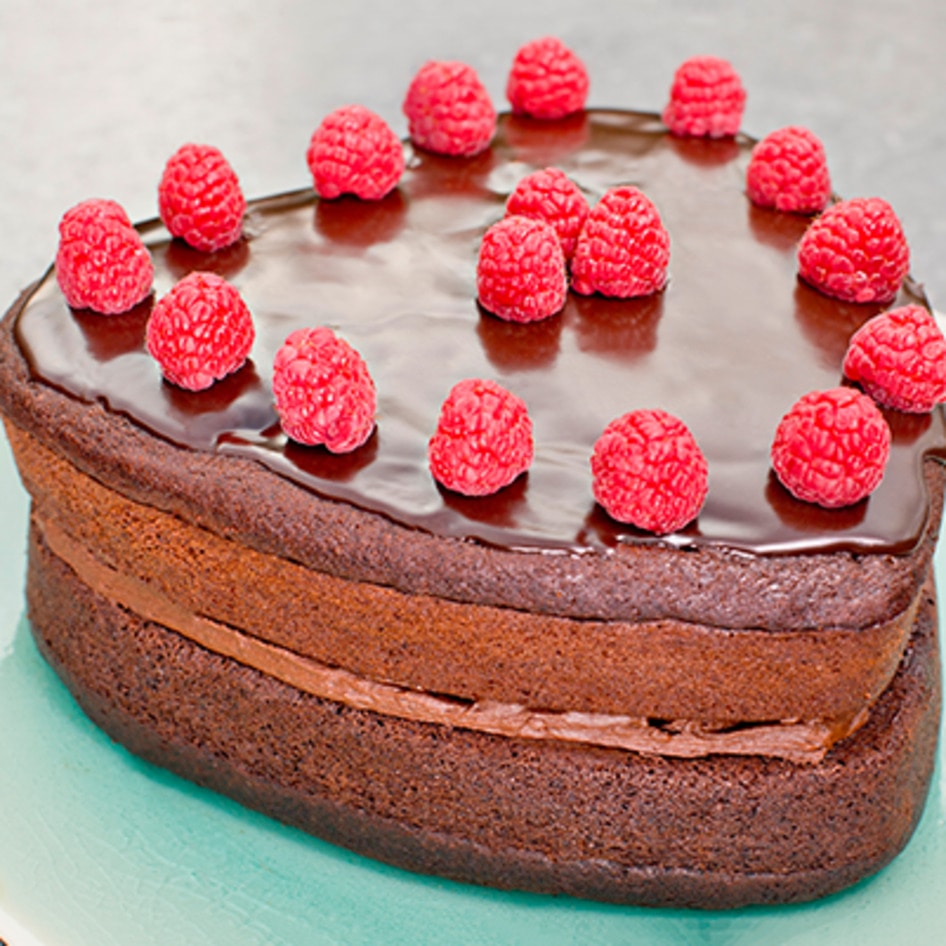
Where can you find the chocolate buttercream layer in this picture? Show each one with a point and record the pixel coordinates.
(821, 680)
(554, 817)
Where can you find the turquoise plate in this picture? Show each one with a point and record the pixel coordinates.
(100, 849)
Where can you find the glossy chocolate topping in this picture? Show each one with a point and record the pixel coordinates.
(728, 346)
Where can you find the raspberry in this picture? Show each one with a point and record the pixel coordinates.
(102, 263)
(199, 198)
(899, 359)
(76, 219)
(788, 170)
(547, 80)
(324, 392)
(200, 331)
(483, 439)
(706, 99)
(648, 470)
(831, 447)
(855, 251)
(354, 151)
(552, 197)
(623, 250)
(520, 273)
(448, 110)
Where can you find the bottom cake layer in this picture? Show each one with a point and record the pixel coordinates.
(551, 817)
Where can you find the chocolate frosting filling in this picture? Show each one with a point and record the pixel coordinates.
(728, 346)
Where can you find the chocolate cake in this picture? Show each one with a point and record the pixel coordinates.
(514, 690)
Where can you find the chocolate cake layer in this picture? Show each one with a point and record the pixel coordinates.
(398, 279)
(546, 816)
(691, 674)
(238, 498)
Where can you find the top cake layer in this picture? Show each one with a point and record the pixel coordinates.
(728, 346)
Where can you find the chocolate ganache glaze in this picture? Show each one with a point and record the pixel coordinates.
(728, 346)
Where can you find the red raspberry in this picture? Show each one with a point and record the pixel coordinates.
(448, 110)
(75, 220)
(552, 197)
(324, 392)
(102, 263)
(354, 151)
(547, 80)
(623, 250)
(831, 447)
(788, 170)
(899, 359)
(706, 99)
(648, 470)
(520, 273)
(199, 198)
(855, 251)
(200, 331)
(483, 439)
